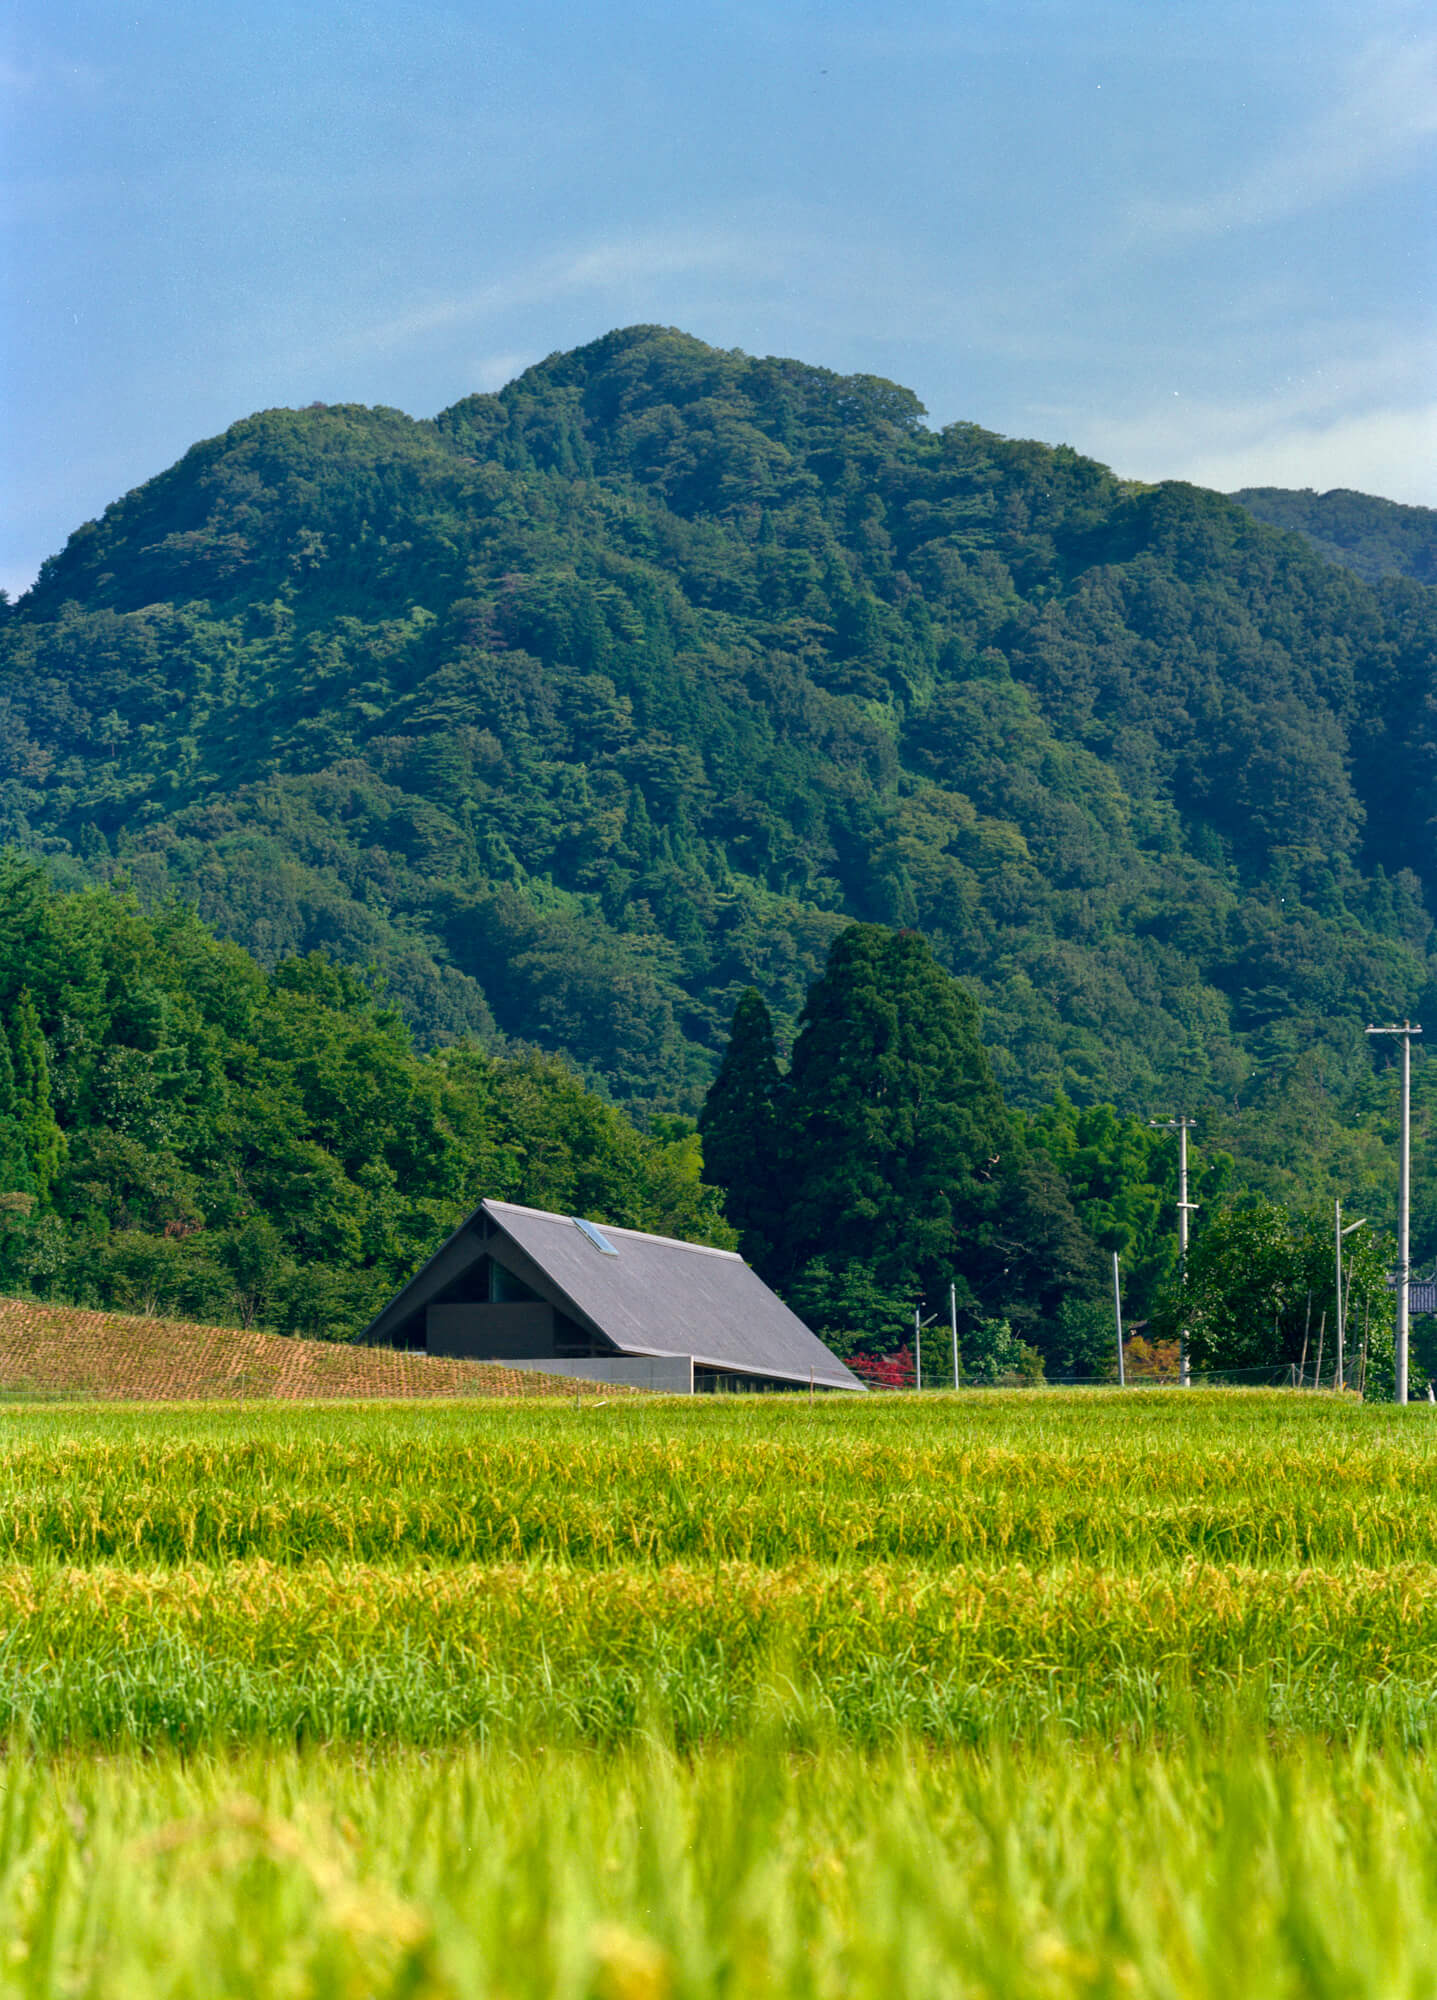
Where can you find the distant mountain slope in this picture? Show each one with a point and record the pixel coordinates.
(586, 704)
(1373, 538)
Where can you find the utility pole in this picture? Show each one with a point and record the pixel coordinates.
(1182, 1126)
(1340, 1380)
(953, 1322)
(918, 1325)
(1118, 1315)
(1337, 1261)
(1404, 1201)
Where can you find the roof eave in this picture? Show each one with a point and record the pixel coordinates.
(394, 1312)
(799, 1381)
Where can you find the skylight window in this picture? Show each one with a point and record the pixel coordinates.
(595, 1235)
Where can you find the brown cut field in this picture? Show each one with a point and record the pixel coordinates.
(66, 1352)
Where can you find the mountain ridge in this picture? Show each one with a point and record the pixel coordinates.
(1374, 538)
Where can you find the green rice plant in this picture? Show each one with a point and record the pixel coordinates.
(967, 1569)
(960, 1568)
(1126, 1483)
(1182, 1873)
(246, 1652)
(1003, 1695)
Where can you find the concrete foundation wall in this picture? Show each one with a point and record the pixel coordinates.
(667, 1375)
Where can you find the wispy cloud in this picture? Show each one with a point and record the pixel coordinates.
(46, 76)
(1367, 422)
(609, 266)
(1389, 451)
(1382, 123)
(492, 371)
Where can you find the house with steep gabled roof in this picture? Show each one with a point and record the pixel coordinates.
(563, 1295)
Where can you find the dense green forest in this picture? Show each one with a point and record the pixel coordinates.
(881, 1173)
(182, 1132)
(1374, 538)
(883, 1170)
(583, 707)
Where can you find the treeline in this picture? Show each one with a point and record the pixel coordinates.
(883, 1167)
(880, 1175)
(182, 1132)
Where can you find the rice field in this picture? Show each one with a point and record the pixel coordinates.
(1049, 1694)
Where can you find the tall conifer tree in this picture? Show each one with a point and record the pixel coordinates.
(44, 1141)
(8, 1104)
(896, 1121)
(15, 1171)
(741, 1129)
(905, 1171)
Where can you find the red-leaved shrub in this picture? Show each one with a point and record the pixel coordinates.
(884, 1371)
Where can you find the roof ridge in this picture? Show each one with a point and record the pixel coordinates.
(611, 1228)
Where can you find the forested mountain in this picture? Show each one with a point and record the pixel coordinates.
(1373, 537)
(586, 705)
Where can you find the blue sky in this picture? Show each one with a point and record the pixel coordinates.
(1193, 239)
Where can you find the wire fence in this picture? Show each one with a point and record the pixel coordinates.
(1279, 1375)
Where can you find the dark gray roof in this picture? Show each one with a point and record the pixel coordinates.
(657, 1296)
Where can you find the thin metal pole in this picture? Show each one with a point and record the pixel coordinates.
(1321, 1330)
(1337, 1255)
(1404, 1219)
(1306, 1330)
(1118, 1315)
(953, 1322)
(1404, 1192)
(1182, 1125)
(918, 1346)
(1185, 1373)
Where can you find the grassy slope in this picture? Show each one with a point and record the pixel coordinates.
(63, 1351)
